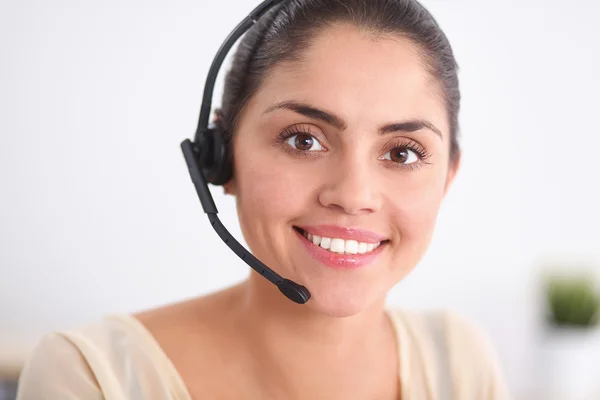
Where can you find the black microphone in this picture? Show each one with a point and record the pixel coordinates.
(290, 289)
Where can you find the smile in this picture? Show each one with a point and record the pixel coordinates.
(340, 246)
(353, 250)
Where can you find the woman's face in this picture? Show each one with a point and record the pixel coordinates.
(350, 145)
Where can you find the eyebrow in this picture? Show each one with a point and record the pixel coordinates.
(337, 122)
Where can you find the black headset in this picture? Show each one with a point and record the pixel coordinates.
(208, 160)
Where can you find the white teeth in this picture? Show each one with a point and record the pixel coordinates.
(316, 239)
(351, 246)
(337, 245)
(362, 248)
(341, 246)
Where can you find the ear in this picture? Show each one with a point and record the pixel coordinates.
(230, 187)
(452, 171)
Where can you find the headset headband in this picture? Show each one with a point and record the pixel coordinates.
(209, 86)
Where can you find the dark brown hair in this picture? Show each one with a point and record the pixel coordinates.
(285, 32)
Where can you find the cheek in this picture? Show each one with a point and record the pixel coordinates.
(267, 186)
(269, 195)
(414, 209)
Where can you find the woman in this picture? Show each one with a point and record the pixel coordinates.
(342, 119)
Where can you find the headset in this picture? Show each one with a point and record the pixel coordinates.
(208, 160)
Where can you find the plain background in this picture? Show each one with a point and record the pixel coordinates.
(98, 214)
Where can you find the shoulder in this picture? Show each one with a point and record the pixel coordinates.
(111, 358)
(474, 357)
(456, 331)
(447, 337)
(57, 368)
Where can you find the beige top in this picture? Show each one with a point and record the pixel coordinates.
(442, 357)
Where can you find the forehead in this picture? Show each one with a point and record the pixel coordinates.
(359, 76)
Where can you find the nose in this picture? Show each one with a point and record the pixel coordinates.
(351, 186)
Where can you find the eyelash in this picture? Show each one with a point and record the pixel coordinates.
(292, 131)
(402, 143)
(412, 145)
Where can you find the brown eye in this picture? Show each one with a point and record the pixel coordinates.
(304, 142)
(401, 155)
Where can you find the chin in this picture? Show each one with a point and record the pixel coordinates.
(339, 300)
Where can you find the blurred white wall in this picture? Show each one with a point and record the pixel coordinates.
(98, 214)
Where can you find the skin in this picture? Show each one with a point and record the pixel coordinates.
(346, 178)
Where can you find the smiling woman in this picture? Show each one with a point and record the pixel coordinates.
(341, 121)
(363, 143)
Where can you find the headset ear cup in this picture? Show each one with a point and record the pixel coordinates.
(217, 168)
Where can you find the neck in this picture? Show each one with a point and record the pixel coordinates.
(287, 340)
(266, 310)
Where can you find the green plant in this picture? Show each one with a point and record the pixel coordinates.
(572, 301)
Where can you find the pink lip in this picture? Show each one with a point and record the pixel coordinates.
(332, 231)
(339, 261)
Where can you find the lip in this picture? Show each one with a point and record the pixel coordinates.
(339, 261)
(333, 231)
